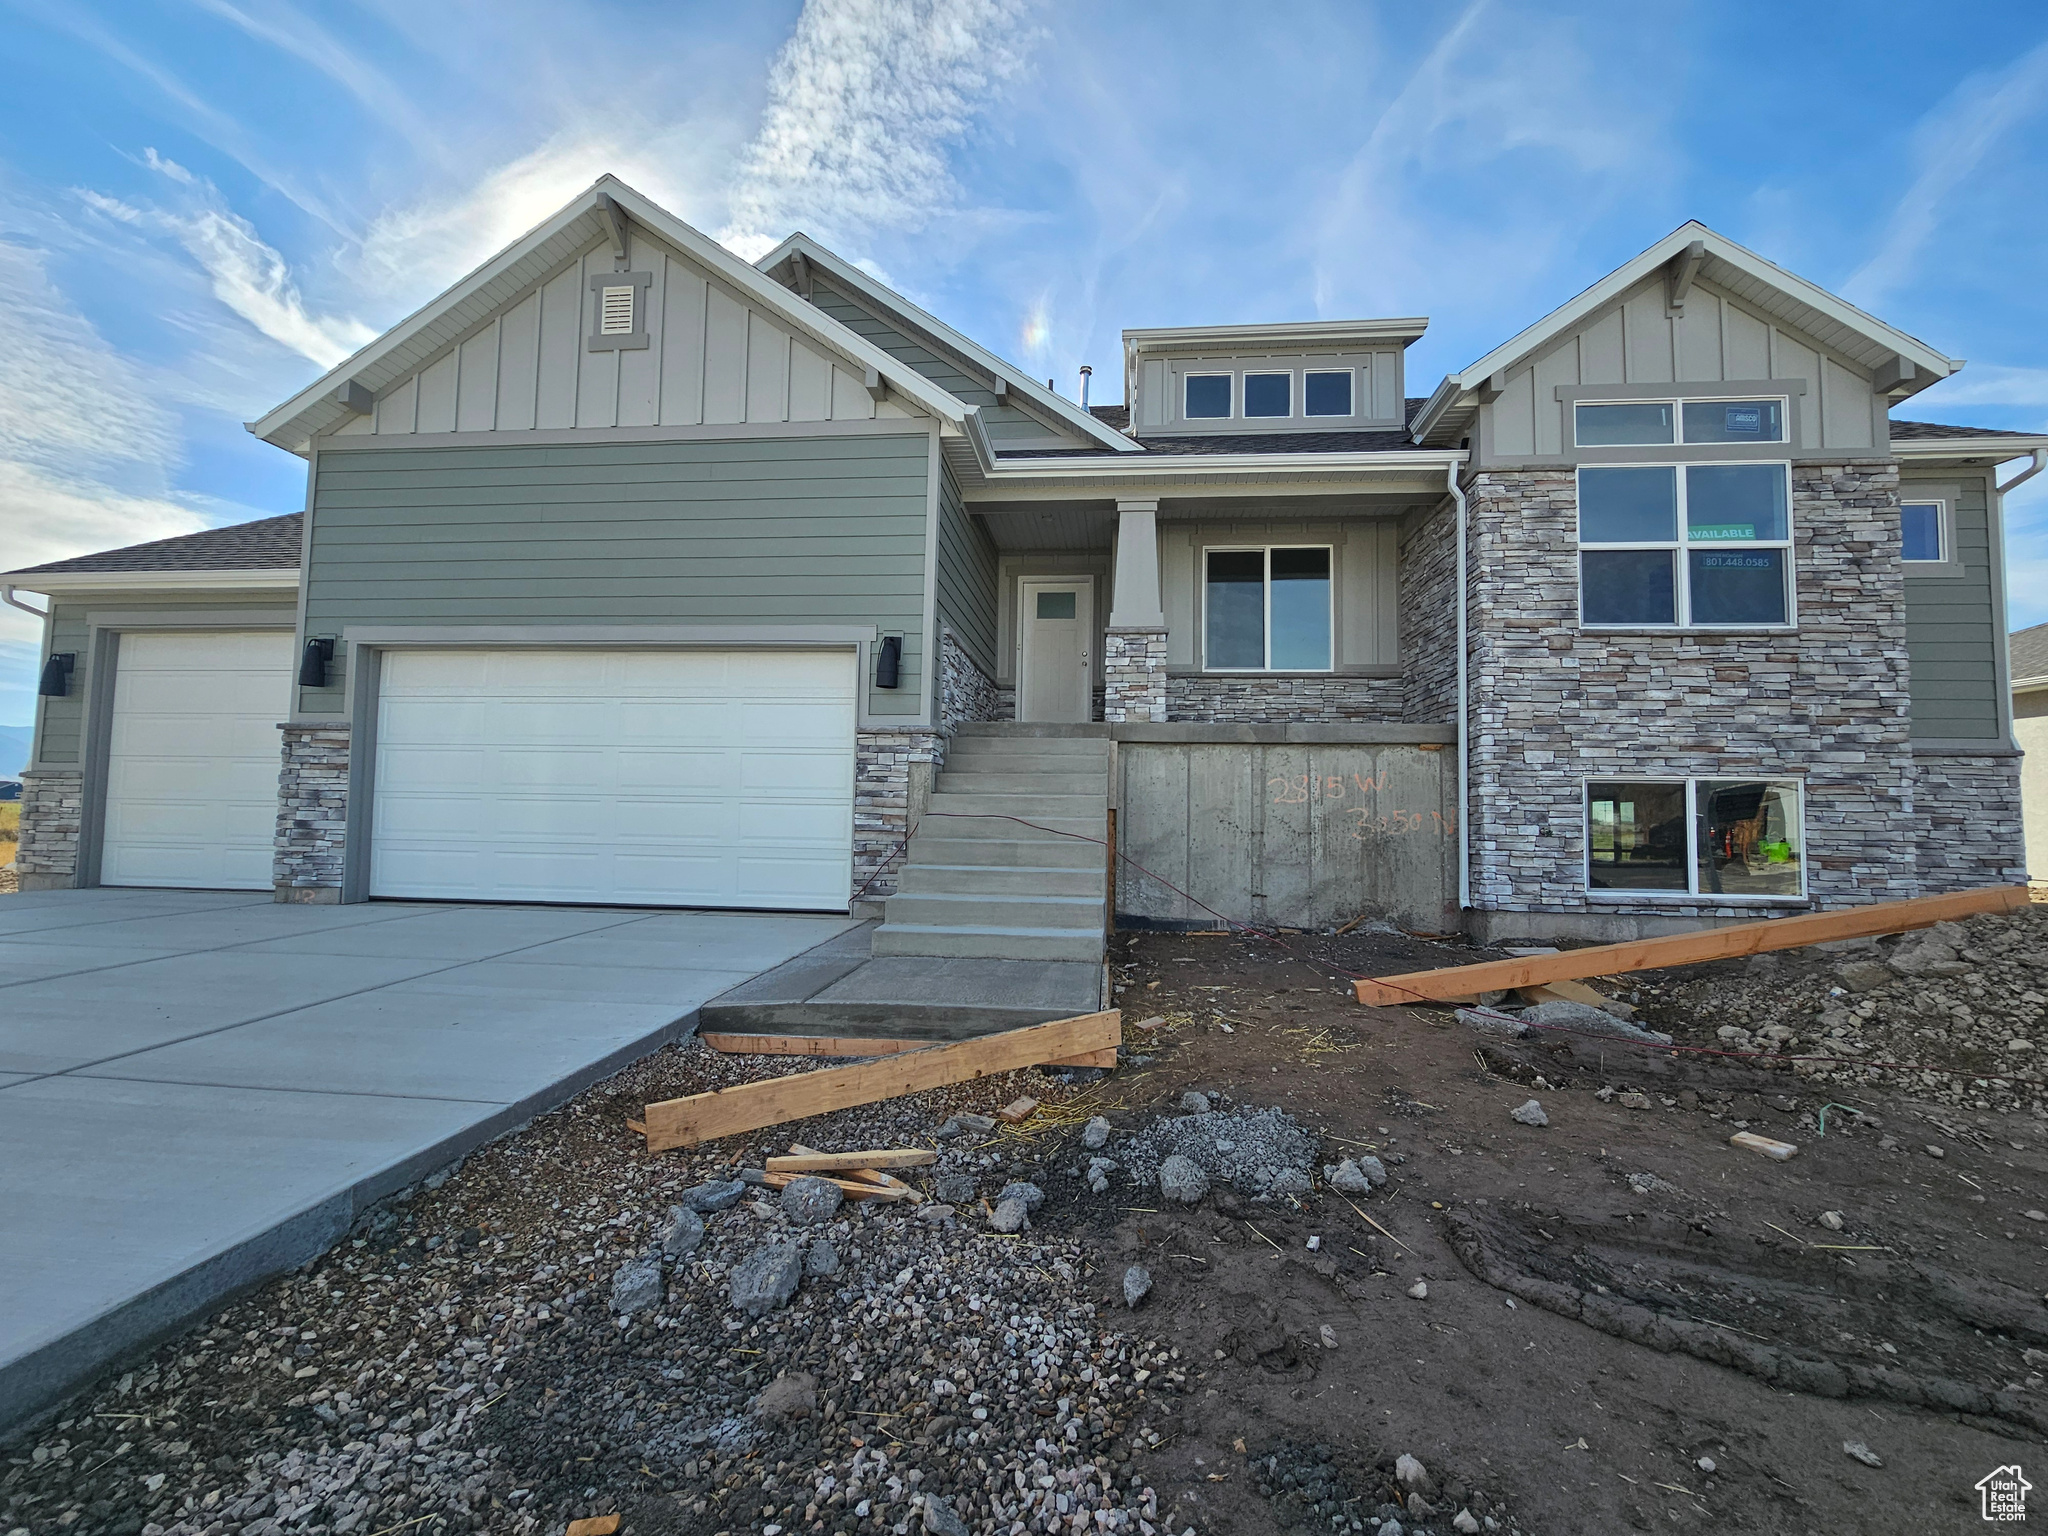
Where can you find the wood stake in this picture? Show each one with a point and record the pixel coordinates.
(1689, 948)
(808, 1161)
(855, 1045)
(705, 1117)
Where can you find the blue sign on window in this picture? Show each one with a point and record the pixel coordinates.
(1747, 420)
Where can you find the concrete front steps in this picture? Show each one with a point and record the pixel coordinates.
(987, 875)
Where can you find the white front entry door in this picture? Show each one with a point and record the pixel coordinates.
(644, 778)
(1055, 664)
(192, 758)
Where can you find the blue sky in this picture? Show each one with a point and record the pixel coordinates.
(204, 203)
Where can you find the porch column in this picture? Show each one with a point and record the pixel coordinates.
(1134, 649)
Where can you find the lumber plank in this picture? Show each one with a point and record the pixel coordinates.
(702, 1117)
(853, 1189)
(866, 1175)
(1691, 948)
(829, 1162)
(842, 1045)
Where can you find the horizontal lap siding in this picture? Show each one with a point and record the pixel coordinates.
(967, 577)
(1952, 628)
(60, 723)
(774, 531)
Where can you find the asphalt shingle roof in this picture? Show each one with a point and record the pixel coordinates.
(268, 544)
(1908, 431)
(2028, 650)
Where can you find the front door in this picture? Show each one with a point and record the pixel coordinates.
(1056, 676)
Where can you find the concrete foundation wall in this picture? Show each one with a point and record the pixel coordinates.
(1298, 826)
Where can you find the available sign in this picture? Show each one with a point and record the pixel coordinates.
(1719, 531)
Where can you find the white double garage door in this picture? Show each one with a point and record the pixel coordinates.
(714, 778)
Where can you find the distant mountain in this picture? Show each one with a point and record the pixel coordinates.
(14, 744)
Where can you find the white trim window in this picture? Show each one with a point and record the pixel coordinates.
(1328, 392)
(1654, 423)
(1720, 840)
(1685, 546)
(1268, 394)
(1267, 608)
(1208, 396)
(1926, 538)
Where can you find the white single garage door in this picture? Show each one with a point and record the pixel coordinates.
(192, 758)
(647, 778)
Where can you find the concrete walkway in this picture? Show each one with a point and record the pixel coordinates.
(200, 1088)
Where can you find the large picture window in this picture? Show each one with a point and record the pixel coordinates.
(1685, 546)
(1718, 839)
(1266, 610)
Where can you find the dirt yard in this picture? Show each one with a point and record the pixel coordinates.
(1614, 1321)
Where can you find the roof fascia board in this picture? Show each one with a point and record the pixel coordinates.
(844, 274)
(1196, 338)
(819, 327)
(180, 581)
(1629, 273)
(1225, 464)
(1998, 448)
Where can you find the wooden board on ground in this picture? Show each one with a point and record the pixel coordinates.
(869, 1175)
(1688, 948)
(841, 1045)
(829, 1162)
(852, 1188)
(751, 1106)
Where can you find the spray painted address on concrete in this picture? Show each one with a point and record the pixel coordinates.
(1329, 791)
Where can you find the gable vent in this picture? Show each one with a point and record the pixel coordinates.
(615, 313)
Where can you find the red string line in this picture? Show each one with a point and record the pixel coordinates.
(1563, 1029)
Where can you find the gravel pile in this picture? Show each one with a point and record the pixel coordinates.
(1255, 1151)
(1967, 997)
(457, 1364)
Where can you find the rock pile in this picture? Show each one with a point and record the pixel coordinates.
(1256, 1151)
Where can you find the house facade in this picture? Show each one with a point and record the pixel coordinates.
(631, 572)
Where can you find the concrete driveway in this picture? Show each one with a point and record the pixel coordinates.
(200, 1088)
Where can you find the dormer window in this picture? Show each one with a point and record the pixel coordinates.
(1269, 394)
(1208, 396)
(1326, 393)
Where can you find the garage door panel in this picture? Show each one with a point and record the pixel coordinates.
(193, 752)
(643, 777)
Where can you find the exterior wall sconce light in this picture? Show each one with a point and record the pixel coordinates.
(57, 674)
(313, 664)
(889, 662)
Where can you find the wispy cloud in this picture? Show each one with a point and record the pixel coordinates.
(247, 274)
(85, 450)
(1950, 144)
(865, 101)
(1988, 384)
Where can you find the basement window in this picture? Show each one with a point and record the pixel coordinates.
(1266, 610)
(1710, 839)
(1696, 546)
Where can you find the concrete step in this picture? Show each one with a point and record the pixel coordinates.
(963, 909)
(1005, 782)
(1027, 762)
(978, 879)
(1037, 730)
(1039, 807)
(990, 943)
(957, 843)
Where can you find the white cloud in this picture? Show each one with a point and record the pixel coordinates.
(1951, 143)
(1986, 384)
(864, 102)
(247, 275)
(85, 451)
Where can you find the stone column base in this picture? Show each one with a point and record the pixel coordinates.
(312, 814)
(1134, 675)
(892, 781)
(52, 815)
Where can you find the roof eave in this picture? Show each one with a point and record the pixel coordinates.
(278, 578)
(1012, 376)
(1997, 448)
(1226, 464)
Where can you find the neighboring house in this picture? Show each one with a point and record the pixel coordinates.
(2028, 653)
(634, 573)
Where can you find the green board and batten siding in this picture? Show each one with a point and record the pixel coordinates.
(767, 530)
(967, 580)
(60, 723)
(1952, 625)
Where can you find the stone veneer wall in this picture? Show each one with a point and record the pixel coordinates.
(52, 812)
(966, 693)
(892, 776)
(312, 813)
(1428, 613)
(1134, 685)
(1260, 700)
(1553, 704)
(1967, 811)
